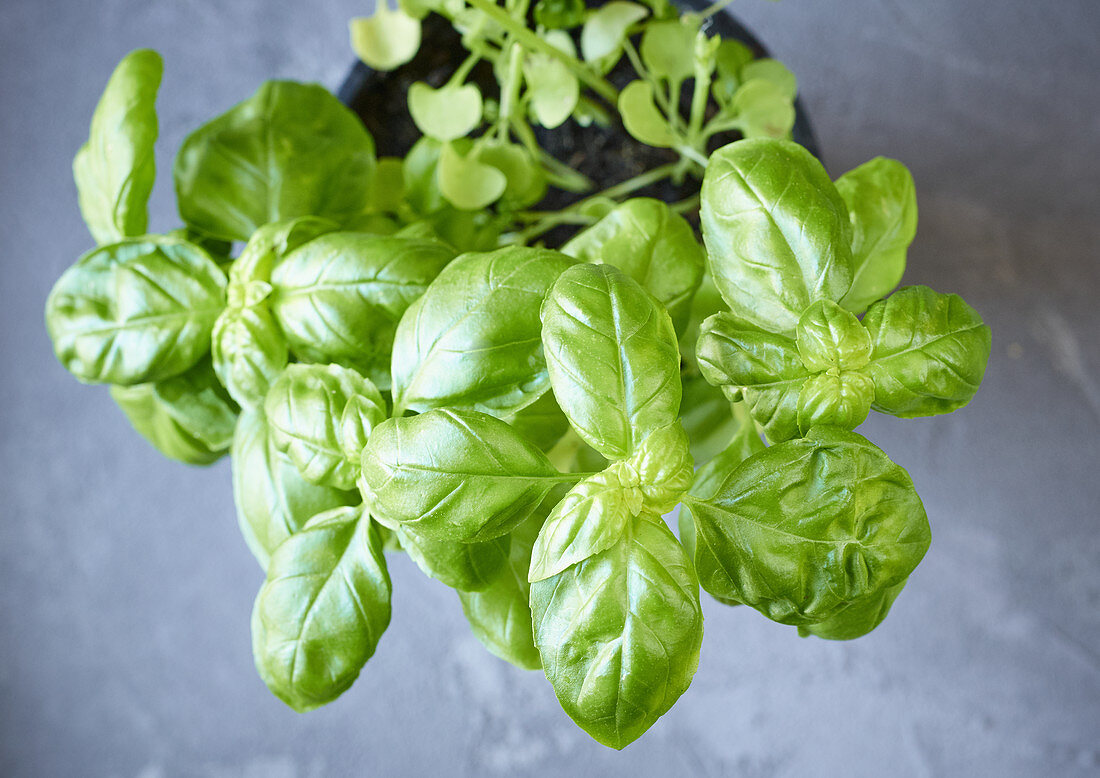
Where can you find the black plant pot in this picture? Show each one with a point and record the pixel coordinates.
(607, 155)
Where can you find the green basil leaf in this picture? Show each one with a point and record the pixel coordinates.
(612, 358)
(454, 475)
(606, 29)
(472, 341)
(387, 188)
(641, 117)
(386, 39)
(729, 60)
(250, 273)
(136, 311)
(325, 604)
(289, 150)
(589, 519)
(619, 633)
(115, 168)
(668, 48)
(664, 467)
(466, 567)
(249, 352)
(772, 71)
(776, 231)
(321, 416)
(706, 417)
(447, 113)
(882, 206)
(559, 14)
(808, 527)
(929, 352)
(655, 246)
(552, 88)
(762, 368)
(273, 500)
(525, 180)
(500, 614)
(467, 183)
(188, 417)
(830, 337)
(763, 109)
(542, 422)
(842, 400)
(857, 619)
(339, 297)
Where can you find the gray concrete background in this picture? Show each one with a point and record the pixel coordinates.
(125, 587)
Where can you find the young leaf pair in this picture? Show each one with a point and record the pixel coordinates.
(796, 257)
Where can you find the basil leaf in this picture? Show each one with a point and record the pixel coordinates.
(762, 368)
(830, 337)
(325, 604)
(525, 179)
(188, 417)
(772, 71)
(655, 246)
(136, 311)
(763, 109)
(447, 113)
(249, 353)
(706, 418)
(882, 206)
(500, 614)
(115, 168)
(857, 619)
(552, 88)
(664, 467)
(386, 39)
(289, 150)
(842, 400)
(454, 475)
(339, 297)
(619, 633)
(589, 519)
(250, 274)
(472, 341)
(612, 358)
(273, 500)
(542, 422)
(668, 48)
(466, 567)
(929, 352)
(606, 30)
(808, 527)
(320, 416)
(776, 231)
(641, 117)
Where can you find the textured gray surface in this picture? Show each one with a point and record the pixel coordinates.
(125, 588)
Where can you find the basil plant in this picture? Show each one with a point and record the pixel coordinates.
(518, 420)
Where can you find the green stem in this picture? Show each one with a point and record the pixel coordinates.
(459, 76)
(509, 90)
(714, 8)
(699, 98)
(685, 205)
(529, 40)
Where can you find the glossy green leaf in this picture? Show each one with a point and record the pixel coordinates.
(500, 614)
(619, 633)
(473, 340)
(664, 467)
(273, 500)
(420, 166)
(762, 368)
(729, 59)
(653, 245)
(289, 150)
(641, 117)
(590, 518)
(606, 29)
(831, 338)
(446, 113)
(134, 312)
(806, 528)
(929, 352)
(668, 48)
(249, 352)
(776, 231)
(386, 39)
(559, 14)
(454, 475)
(542, 422)
(188, 417)
(857, 619)
(882, 206)
(842, 400)
(612, 358)
(320, 416)
(340, 297)
(466, 567)
(322, 610)
(706, 417)
(763, 109)
(387, 187)
(115, 168)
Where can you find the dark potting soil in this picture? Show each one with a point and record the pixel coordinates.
(606, 155)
